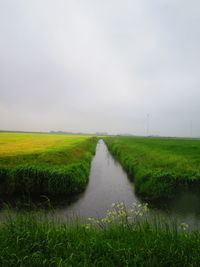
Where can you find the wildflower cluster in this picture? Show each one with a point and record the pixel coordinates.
(139, 209)
(119, 214)
(184, 226)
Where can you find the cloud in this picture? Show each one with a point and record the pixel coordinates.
(100, 65)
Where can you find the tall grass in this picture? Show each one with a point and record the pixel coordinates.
(37, 180)
(30, 240)
(50, 176)
(160, 167)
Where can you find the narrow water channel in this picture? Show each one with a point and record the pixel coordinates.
(108, 183)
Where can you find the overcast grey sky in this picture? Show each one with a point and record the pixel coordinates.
(90, 65)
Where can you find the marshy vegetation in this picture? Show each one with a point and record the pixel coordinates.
(160, 167)
(35, 164)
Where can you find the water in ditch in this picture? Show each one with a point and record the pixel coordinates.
(108, 183)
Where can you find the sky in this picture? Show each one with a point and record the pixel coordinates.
(113, 66)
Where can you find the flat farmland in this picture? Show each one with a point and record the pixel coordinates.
(44, 163)
(160, 167)
(27, 143)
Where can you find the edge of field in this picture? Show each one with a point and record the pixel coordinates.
(154, 181)
(57, 172)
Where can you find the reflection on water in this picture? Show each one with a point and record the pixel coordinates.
(186, 202)
(108, 183)
(185, 208)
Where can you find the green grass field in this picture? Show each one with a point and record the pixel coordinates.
(34, 240)
(47, 164)
(160, 166)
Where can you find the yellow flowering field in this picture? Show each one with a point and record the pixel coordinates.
(24, 143)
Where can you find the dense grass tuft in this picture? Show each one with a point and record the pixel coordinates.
(37, 180)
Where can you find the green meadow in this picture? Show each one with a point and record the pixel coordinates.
(160, 167)
(50, 164)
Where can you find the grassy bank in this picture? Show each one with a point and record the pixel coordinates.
(35, 164)
(30, 240)
(160, 167)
